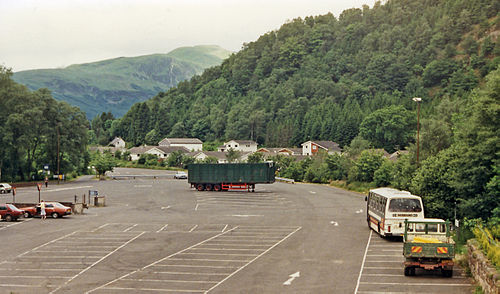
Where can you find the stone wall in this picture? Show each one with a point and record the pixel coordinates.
(482, 270)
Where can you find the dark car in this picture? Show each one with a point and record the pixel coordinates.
(9, 212)
(54, 209)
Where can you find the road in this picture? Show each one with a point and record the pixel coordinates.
(156, 235)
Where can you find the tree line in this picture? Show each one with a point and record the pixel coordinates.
(37, 131)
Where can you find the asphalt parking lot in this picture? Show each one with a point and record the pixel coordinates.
(156, 235)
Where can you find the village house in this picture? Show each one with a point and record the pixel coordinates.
(117, 142)
(238, 145)
(312, 147)
(192, 144)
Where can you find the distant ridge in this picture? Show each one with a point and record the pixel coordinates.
(116, 84)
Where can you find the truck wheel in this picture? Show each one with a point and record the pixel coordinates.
(447, 273)
(217, 187)
(200, 187)
(208, 187)
(8, 218)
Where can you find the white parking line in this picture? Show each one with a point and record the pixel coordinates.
(225, 228)
(130, 228)
(208, 259)
(156, 262)
(363, 263)
(154, 290)
(416, 284)
(187, 273)
(193, 228)
(168, 281)
(195, 266)
(162, 228)
(92, 265)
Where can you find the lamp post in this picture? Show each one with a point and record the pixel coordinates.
(418, 100)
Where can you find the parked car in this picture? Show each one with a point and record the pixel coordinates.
(180, 175)
(9, 212)
(54, 209)
(5, 188)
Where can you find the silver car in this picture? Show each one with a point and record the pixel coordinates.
(5, 188)
(180, 175)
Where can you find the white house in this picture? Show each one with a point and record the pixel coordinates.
(193, 144)
(164, 152)
(117, 142)
(136, 152)
(239, 145)
(221, 156)
(312, 147)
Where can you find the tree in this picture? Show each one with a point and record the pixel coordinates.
(256, 157)
(364, 168)
(390, 128)
(232, 155)
(103, 163)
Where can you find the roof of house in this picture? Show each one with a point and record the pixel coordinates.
(140, 149)
(280, 150)
(216, 154)
(180, 141)
(242, 142)
(116, 140)
(330, 145)
(395, 156)
(170, 149)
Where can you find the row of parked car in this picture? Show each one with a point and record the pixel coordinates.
(10, 212)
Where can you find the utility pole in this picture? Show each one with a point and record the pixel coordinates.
(58, 161)
(418, 100)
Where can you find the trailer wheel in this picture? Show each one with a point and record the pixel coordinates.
(217, 187)
(208, 187)
(447, 273)
(200, 187)
(409, 271)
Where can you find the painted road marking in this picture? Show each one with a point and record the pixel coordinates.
(292, 277)
(199, 262)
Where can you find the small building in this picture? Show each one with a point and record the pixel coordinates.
(239, 145)
(279, 151)
(136, 152)
(202, 155)
(396, 155)
(117, 142)
(312, 147)
(164, 152)
(192, 144)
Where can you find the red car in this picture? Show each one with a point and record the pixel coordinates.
(54, 209)
(9, 212)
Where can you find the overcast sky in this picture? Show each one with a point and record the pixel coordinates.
(57, 33)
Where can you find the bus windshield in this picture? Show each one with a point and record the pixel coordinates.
(405, 205)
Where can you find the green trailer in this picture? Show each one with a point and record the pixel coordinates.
(428, 245)
(230, 176)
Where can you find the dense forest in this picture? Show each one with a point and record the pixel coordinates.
(320, 77)
(33, 128)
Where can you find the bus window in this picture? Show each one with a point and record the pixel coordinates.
(404, 205)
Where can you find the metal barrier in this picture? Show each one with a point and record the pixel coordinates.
(285, 180)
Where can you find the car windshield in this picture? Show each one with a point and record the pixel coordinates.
(13, 208)
(405, 205)
(59, 205)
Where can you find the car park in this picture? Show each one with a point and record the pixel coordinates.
(180, 175)
(5, 188)
(9, 212)
(53, 209)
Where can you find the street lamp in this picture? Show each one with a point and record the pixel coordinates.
(418, 100)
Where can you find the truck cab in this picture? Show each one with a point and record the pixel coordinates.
(428, 245)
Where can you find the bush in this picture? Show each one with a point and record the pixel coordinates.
(489, 245)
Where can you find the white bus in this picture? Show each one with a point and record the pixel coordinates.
(387, 209)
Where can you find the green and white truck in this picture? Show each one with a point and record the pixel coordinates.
(428, 245)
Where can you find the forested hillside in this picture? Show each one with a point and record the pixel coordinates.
(116, 84)
(320, 77)
(34, 127)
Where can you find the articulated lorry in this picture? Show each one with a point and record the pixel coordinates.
(230, 176)
(428, 244)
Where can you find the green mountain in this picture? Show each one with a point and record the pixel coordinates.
(114, 85)
(320, 77)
